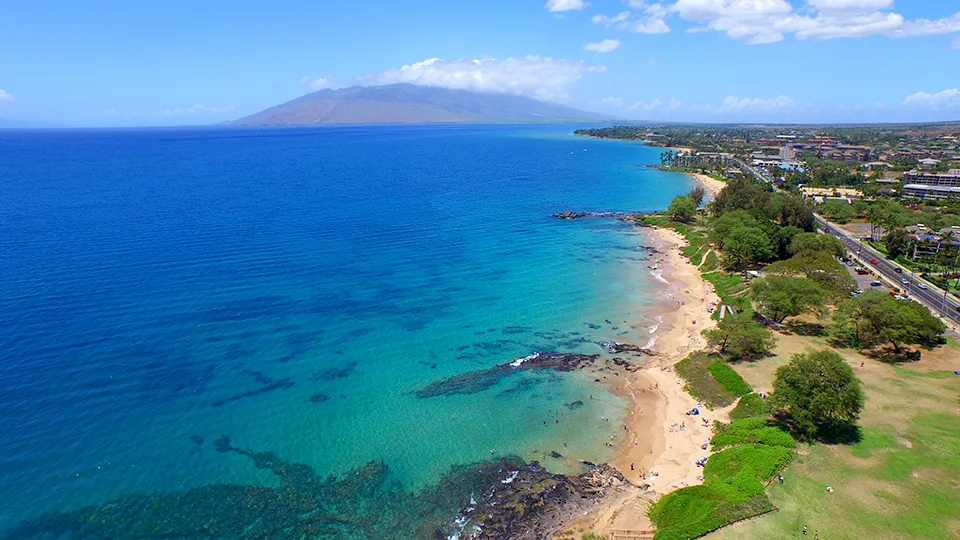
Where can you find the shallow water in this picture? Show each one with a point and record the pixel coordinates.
(293, 289)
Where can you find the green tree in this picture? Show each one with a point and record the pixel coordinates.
(697, 194)
(682, 208)
(874, 318)
(740, 337)
(897, 241)
(744, 193)
(780, 297)
(816, 391)
(745, 246)
(818, 243)
(820, 267)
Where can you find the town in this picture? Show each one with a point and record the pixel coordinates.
(890, 193)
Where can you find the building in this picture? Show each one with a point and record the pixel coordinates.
(926, 185)
(925, 241)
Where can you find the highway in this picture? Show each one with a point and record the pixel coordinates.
(933, 297)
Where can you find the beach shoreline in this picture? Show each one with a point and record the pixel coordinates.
(710, 184)
(661, 437)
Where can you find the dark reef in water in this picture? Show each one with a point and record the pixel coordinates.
(473, 382)
(500, 499)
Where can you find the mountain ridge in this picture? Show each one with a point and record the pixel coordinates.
(411, 104)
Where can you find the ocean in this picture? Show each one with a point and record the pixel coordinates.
(170, 296)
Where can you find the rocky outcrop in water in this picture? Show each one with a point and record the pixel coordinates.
(530, 503)
(502, 499)
(617, 348)
(570, 215)
(473, 382)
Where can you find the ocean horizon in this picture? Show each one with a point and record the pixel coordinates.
(177, 302)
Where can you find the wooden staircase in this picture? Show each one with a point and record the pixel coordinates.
(623, 534)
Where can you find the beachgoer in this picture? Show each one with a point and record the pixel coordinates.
(804, 530)
(816, 534)
(780, 478)
(558, 421)
(861, 364)
(631, 466)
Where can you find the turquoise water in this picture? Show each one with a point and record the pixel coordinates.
(293, 288)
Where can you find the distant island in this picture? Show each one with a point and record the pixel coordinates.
(411, 104)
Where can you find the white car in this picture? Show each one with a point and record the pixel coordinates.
(922, 286)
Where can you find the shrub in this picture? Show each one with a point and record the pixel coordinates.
(752, 431)
(750, 406)
(728, 379)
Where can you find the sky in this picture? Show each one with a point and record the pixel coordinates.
(129, 63)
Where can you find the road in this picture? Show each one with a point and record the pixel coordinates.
(933, 297)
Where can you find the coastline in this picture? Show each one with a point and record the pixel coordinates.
(712, 185)
(662, 439)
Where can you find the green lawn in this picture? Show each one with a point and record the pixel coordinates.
(901, 481)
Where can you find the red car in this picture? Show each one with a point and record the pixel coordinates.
(873, 261)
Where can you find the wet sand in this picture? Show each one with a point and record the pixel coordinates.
(662, 437)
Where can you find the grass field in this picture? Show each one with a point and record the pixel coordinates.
(902, 480)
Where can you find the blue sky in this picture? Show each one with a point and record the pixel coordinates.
(175, 62)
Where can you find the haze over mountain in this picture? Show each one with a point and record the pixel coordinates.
(408, 104)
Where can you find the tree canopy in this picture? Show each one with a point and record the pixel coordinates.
(780, 297)
(740, 337)
(896, 242)
(697, 194)
(816, 391)
(745, 246)
(682, 208)
(817, 243)
(874, 318)
(820, 267)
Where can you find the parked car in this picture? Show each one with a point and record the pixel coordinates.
(876, 284)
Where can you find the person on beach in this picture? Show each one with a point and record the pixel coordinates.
(804, 530)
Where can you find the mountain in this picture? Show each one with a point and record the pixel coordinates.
(410, 104)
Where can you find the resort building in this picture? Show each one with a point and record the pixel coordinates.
(936, 185)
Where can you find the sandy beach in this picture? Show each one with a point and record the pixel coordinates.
(662, 438)
(712, 185)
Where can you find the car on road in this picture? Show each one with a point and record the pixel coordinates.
(876, 284)
(904, 281)
(898, 270)
(874, 261)
(922, 286)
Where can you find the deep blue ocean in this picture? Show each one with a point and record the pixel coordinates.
(292, 289)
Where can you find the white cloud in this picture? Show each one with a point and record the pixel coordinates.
(319, 83)
(610, 21)
(604, 46)
(947, 99)
(194, 110)
(734, 104)
(850, 5)
(655, 105)
(612, 102)
(648, 19)
(534, 76)
(768, 21)
(565, 5)
(5, 96)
